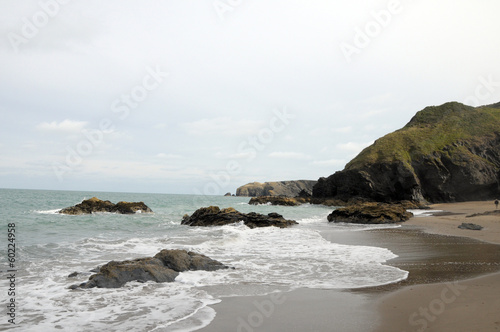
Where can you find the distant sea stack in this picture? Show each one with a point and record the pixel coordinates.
(281, 188)
(446, 153)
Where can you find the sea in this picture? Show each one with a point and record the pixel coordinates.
(50, 246)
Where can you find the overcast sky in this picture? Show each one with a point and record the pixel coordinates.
(202, 96)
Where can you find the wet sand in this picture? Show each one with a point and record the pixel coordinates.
(453, 284)
(464, 305)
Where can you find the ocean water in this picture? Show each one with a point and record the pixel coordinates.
(50, 246)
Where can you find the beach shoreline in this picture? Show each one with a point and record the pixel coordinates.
(470, 304)
(444, 292)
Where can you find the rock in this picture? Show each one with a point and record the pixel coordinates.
(370, 213)
(131, 207)
(470, 226)
(446, 153)
(214, 216)
(281, 188)
(94, 205)
(304, 194)
(163, 267)
(227, 194)
(487, 213)
(73, 275)
(278, 200)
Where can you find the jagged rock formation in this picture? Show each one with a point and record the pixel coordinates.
(163, 267)
(446, 153)
(370, 213)
(214, 216)
(281, 188)
(94, 205)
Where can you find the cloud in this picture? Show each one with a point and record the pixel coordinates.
(343, 130)
(168, 156)
(222, 126)
(289, 155)
(160, 126)
(331, 162)
(65, 126)
(373, 112)
(353, 146)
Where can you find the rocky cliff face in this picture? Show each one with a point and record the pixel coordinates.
(444, 154)
(282, 188)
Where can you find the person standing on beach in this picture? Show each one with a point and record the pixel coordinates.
(496, 204)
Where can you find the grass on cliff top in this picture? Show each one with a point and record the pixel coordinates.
(431, 130)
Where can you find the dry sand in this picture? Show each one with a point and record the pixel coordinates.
(431, 299)
(448, 224)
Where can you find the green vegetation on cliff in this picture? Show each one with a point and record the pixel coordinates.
(445, 153)
(441, 129)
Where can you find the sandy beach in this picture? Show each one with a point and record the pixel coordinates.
(465, 305)
(453, 284)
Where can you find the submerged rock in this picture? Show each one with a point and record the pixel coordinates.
(370, 213)
(94, 205)
(163, 267)
(214, 216)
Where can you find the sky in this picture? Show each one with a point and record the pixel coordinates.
(201, 97)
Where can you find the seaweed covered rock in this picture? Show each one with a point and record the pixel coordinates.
(214, 216)
(94, 205)
(163, 267)
(370, 213)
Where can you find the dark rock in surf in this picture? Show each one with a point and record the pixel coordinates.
(95, 205)
(214, 216)
(163, 267)
(370, 213)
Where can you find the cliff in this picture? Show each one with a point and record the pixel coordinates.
(282, 188)
(445, 153)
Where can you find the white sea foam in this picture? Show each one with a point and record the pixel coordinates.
(265, 260)
(291, 257)
(55, 211)
(424, 213)
(134, 307)
(362, 227)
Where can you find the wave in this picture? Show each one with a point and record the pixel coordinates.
(424, 213)
(54, 211)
